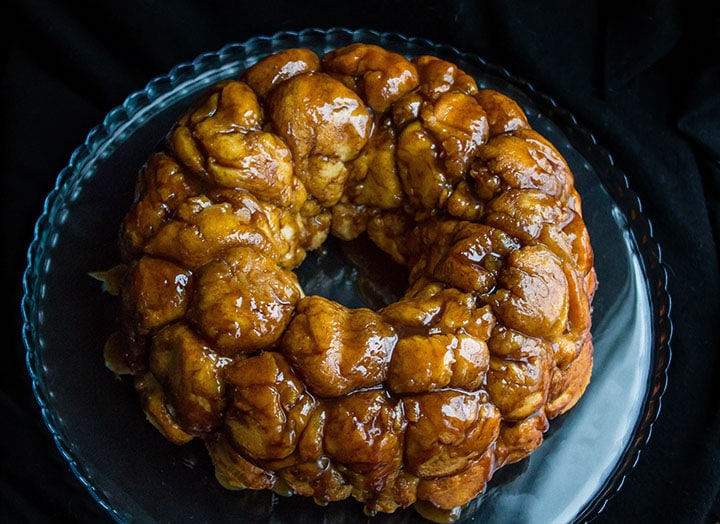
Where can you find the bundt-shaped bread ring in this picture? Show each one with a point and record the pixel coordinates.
(421, 400)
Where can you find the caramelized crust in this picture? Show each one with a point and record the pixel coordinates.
(338, 350)
(419, 401)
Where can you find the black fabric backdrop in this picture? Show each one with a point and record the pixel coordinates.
(644, 76)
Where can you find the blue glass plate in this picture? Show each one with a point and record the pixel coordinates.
(137, 476)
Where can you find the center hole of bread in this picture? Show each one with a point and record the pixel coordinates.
(354, 273)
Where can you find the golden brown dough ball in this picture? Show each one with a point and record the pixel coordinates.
(338, 350)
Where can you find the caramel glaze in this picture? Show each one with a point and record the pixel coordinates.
(418, 401)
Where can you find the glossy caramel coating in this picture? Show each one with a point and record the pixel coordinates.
(419, 401)
(338, 350)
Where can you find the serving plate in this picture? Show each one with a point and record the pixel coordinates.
(137, 476)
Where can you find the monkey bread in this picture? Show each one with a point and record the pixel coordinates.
(417, 402)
